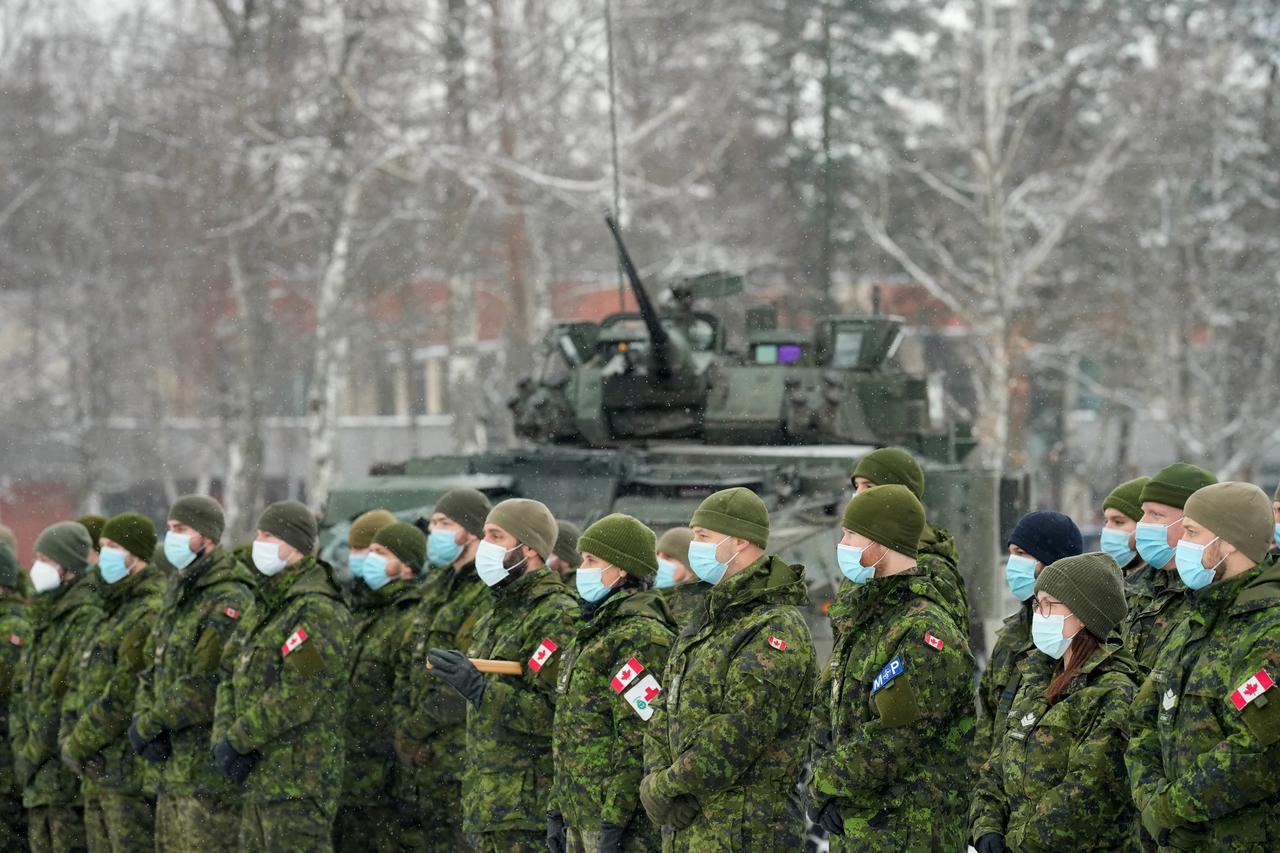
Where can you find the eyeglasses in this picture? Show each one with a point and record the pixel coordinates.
(1045, 608)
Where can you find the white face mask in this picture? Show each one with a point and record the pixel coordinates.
(45, 576)
(266, 557)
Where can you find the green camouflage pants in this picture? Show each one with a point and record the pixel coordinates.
(196, 825)
(588, 840)
(13, 821)
(510, 842)
(55, 829)
(115, 823)
(434, 823)
(290, 826)
(376, 829)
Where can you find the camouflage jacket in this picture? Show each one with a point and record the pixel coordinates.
(730, 729)
(508, 775)
(1206, 732)
(381, 628)
(202, 606)
(99, 702)
(893, 719)
(999, 683)
(286, 687)
(598, 735)
(1157, 599)
(686, 601)
(427, 713)
(940, 559)
(61, 620)
(15, 632)
(1056, 780)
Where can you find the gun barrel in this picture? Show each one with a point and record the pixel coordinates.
(659, 340)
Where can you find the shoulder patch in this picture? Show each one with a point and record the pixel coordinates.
(231, 613)
(780, 645)
(297, 638)
(932, 641)
(888, 673)
(15, 640)
(626, 675)
(542, 654)
(1255, 686)
(641, 697)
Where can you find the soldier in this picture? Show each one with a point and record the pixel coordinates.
(15, 631)
(1202, 757)
(1157, 595)
(277, 729)
(565, 557)
(430, 718)
(508, 765)
(367, 815)
(1038, 539)
(65, 610)
(119, 804)
(607, 679)
(1121, 512)
(725, 748)
(892, 718)
(684, 592)
(1274, 554)
(205, 597)
(1055, 781)
(937, 554)
(93, 524)
(359, 538)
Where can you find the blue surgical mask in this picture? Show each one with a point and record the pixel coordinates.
(1189, 558)
(111, 565)
(1020, 574)
(1046, 633)
(374, 571)
(849, 558)
(666, 574)
(177, 550)
(702, 559)
(1116, 544)
(590, 587)
(355, 562)
(1153, 544)
(1277, 535)
(490, 565)
(442, 548)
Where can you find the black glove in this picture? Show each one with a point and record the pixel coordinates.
(829, 818)
(155, 750)
(555, 833)
(236, 766)
(458, 672)
(611, 838)
(991, 842)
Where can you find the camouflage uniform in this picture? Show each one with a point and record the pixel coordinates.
(508, 773)
(119, 808)
(890, 741)
(1212, 764)
(686, 601)
(15, 632)
(1056, 780)
(61, 620)
(197, 808)
(999, 683)
(430, 717)
(730, 729)
(285, 697)
(598, 737)
(940, 559)
(367, 817)
(1157, 599)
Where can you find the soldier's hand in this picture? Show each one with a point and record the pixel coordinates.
(829, 818)
(684, 811)
(409, 751)
(611, 838)
(459, 673)
(1187, 838)
(156, 750)
(236, 766)
(991, 842)
(555, 833)
(1158, 818)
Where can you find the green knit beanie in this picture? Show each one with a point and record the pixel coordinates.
(8, 566)
(404, 540)
(201, 513)
(6, 536)
(291, 522)
(133, 532)
(735, 512)
(566, 547)
(890, 466)
(1090, 586)
(891, 515)
(93, 524)
(1127, 498)
(624, 542)
(366, 526)
(675, 544)
(467, 507)
(1239, 513)
(1275, 497)
(67, 543)
(1174, 484)
(529, 521)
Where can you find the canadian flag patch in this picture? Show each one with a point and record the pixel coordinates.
(231, 613)
(780, 645)
(932, 641)
(542, 654)
(296, 639)
(626, 675)
(641, 697)
(15, 640)
(1253, 688)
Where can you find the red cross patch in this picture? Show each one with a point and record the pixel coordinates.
(542, 654)
(932, 641)
(296, 639)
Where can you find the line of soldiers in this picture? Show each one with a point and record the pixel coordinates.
(172, 695)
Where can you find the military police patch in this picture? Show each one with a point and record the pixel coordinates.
(891, 670)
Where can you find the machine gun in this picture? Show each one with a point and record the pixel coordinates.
(664, 353)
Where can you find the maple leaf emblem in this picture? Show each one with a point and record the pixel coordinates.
(1251, 689)
(625, 674)
(542, 653)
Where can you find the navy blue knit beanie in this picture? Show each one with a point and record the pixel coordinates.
(1047, 536)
